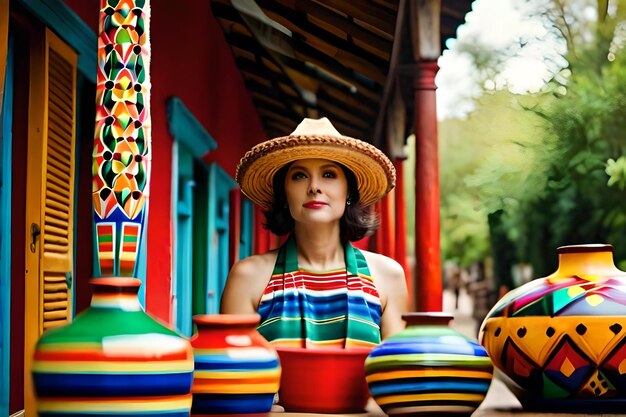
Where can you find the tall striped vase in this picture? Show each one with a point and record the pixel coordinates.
(113, 360)
(428, 368)
(236, 369)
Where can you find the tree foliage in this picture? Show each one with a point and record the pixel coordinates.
(587, 129)
(488, 163)
(549, 170)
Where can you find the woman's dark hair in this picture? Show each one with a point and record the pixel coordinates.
(356, 223)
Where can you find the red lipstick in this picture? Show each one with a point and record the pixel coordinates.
(315, 205)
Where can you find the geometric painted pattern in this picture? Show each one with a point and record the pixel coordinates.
(562, 338)
(121, 156)
(572, 359)
(105, 243)
(568, 367)
(563, 342)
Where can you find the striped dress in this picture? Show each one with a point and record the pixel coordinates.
(337, 308)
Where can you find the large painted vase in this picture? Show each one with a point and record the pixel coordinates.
(113, 360)
(237, 371)
(560, 341)
(428, 368)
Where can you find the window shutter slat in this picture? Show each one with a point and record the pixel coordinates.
(58, 182)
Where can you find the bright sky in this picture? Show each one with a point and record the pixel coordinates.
(494, 23)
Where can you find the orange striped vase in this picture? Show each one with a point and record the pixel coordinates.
(428, 368)
(113, 360)
(236, 369)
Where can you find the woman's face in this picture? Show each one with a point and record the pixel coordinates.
(316, 190)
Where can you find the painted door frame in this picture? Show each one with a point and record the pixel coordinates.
(183, 185)
(189, 182)
(6, 115)
(220, 185)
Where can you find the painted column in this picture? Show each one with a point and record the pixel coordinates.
(425, 18)
(400, 216)
(121, 155)
(428, 286)
(261, 235)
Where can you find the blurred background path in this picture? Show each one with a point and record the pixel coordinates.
(499, 396)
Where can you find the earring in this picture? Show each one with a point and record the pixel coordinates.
(348, 202)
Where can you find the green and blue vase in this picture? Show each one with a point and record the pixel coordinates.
(428, 368)
(113, 360)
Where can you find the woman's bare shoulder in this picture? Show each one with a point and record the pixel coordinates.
(388, 276)
(255, 265)
(246, 281)
(382, 264)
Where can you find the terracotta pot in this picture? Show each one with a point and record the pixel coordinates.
(428, 368)
(236, 369)
(113, 358)
(323, 380)
(561, 340)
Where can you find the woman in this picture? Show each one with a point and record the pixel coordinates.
(317, 290)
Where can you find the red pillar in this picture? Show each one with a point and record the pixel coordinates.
(428, 288)
(261, 243)
(386, 232)
(400, 215)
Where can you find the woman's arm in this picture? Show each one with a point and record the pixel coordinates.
(391, 285)
(245, 284)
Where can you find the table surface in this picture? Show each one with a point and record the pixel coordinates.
(500, 402)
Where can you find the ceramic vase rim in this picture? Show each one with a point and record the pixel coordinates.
(326, 351)
(128, 282)
(585, 248)
(226, 319)
(427, 318)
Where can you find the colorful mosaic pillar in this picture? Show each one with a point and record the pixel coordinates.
(121, 155)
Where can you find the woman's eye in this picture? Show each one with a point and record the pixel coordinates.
(297, 176)
(330, 174)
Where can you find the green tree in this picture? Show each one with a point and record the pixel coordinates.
(488, 164)
(587, 128)
(549, 170)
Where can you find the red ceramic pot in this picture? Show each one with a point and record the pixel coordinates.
(323, 380)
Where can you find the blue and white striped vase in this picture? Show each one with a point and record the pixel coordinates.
(428, 368)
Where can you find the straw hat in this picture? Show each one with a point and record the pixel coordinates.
(374, 172)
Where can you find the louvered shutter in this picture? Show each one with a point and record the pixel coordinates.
(58, 189)
(49, 194)
(50, 185)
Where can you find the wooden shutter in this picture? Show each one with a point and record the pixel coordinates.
(49, 191)
(58, 187)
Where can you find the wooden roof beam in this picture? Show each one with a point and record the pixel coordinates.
(368, 12)
(347, 53)
(391, 75)
(345, 24)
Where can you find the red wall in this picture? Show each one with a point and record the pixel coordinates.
(190, 60)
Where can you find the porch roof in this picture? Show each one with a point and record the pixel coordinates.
(334, 58)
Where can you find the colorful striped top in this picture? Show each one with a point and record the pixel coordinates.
(338, 308)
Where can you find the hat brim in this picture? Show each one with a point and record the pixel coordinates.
(374, 172)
